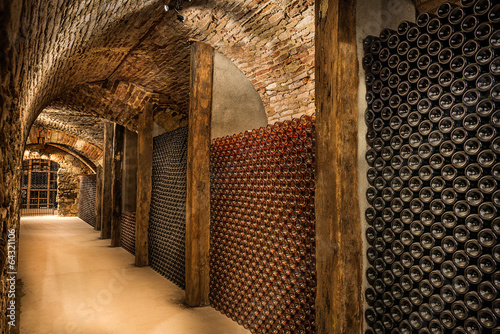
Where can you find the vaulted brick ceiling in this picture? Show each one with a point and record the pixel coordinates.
(87, 62)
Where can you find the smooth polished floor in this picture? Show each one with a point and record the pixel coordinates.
(73, 282)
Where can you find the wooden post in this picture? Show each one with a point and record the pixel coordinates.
(98, 199)
(338, 226)
(144, 174)
(107, 173)
(198, 176)
(116, 196)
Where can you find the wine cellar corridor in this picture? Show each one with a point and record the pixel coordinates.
(65, 276)
(250, 166)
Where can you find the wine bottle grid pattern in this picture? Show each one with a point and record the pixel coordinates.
(167, 222)
(127, 231)
(262, 229)
(433, 94)
(86, 200)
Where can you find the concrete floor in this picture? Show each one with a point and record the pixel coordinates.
(73, 282)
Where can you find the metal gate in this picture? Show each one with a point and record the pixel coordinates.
(39, 187)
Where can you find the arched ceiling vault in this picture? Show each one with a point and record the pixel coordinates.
(51, 148)
(78, 55)
(61, 139)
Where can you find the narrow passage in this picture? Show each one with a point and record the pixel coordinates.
(73, 282)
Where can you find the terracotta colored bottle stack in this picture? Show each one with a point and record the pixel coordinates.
(262, 238)
(433, 97)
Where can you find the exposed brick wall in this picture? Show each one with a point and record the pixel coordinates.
(84, 148)
(271, 43)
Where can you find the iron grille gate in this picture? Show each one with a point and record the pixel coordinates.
(39, 187)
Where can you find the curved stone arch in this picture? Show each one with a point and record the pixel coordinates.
(59, 139)
(87, 162)
(80, 53)
(272, 43)
(47, 148)
(121, 102)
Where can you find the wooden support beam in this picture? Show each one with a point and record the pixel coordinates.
(107, 179)
(144, 174)
(116, 195)
(198, 176)
(98, 199)
(339, 306)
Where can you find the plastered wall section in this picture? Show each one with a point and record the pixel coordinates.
(236, 105)
(372, 16)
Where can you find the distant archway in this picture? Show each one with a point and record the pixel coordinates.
(39, 187)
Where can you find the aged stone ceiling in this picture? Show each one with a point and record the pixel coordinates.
(108, 58)
(43, 135)
(86, 62)
(82, 125)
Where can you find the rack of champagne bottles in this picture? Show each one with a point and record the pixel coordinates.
(262, 233)
(167, 218)
(86, 199)
(127, 231)
(433, 94)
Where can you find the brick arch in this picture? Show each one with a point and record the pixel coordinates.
(57, 153)
(120, 102)
(137, 42)
(66, 142)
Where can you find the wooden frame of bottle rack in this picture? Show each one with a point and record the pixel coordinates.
(339, 306)
(198, 176)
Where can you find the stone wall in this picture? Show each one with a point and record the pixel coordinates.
(68, 184)
(10, 142)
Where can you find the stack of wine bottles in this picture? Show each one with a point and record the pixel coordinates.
(433, 94)
(127, 231)
(86, 199)
(167, 217)
(262, 233)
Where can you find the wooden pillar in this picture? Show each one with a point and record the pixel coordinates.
(144, 174)
(116, 195)
(98, 199)
(107, 179)
(339, 306)
(198, 176)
